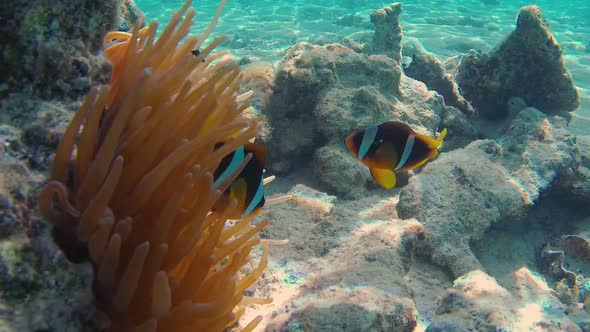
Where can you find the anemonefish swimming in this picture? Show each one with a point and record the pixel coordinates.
(248, 187)
(390, 147)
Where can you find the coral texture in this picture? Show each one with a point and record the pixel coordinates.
(457, 202)
(131, 186)
(322, 93)
(427, 68)
(51, 47)
(388, 32)
(528, 64)
(478, 303)
(128, 14)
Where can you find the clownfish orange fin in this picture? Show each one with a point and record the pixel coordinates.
(385, 177)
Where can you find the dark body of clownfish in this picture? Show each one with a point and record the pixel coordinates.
(390, 147)
(248, 187)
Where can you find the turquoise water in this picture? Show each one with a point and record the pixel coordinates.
(265, 30)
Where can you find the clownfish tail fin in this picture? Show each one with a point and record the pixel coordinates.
(435, 143)
(442, 135)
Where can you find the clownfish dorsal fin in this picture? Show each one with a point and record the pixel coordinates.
(384, 177)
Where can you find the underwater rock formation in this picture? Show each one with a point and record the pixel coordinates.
(50, 47)
(478, 303)
(551, 263)
(427, 68)
(58, 293)
(577, 246)
(337, 296)
(258, 78)
(128, 14)
(573, 251)
(322, 93)
(463, 130)
(47, 52)
(576, 183)
(388, 32)
(520, 166)
(528, 64)
(309, 75)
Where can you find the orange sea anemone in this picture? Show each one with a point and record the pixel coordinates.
(131, 186)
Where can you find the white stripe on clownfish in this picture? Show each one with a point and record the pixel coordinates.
(407, 151)
(256, 199)
(368, 139)
(236, 160)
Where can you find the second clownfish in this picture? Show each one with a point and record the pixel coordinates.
(248, 187)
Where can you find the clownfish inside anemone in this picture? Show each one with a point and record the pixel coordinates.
(248, 187)
(390, 147)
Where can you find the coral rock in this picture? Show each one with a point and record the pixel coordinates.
(388, 32)
(576, 184)
(478, 303)
(128, 14)
(426, 67)
(457, 202)
(361, 287)
(51, 45)
(528, 64)
(329, 163)
(311, 81)
(322, 93)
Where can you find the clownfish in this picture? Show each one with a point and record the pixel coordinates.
(248, 187)
(390, 147)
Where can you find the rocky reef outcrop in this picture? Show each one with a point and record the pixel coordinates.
(427, 68)
(528, 64)
(50, 48)
(388, 32)
(352, 285)
(50, 55)
(127, 15)
(478, 303)
(577, 182)
(40, 289)
(458, 196)
(322, 93)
